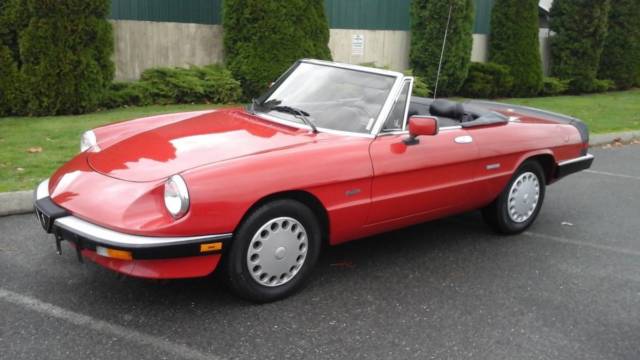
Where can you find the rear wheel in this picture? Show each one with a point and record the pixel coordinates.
(519, 203)
(274, 250)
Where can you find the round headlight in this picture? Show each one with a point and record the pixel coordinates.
(88, 141)
(176, 196)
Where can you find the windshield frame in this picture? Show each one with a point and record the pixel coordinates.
(382, 116)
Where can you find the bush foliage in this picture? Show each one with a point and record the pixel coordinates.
(125, 94)
(14, 17)
(12, 21)
(208, 84)
(428, 23)
(580, 27)
(8, 80)
(487, 81)
(66, 56)
(420, 87)
(554, 86)
(620, 59)
(263, 38)
(516, 45)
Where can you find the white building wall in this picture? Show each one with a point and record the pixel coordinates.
(140, 45)
(480, 48)
(545, 50)
(382, 47)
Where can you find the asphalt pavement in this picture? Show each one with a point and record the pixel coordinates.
(569, 288)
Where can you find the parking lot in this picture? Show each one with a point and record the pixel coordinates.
(569, 288)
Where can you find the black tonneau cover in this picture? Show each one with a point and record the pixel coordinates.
(481, 108)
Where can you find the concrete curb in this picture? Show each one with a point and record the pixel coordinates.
(21, 202)
(18, 202)
(603, 139)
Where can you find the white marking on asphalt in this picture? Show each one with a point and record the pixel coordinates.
(581, 243)
(177, 350)
(613, 174)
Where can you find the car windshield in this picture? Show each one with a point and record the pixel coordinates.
(329, 97)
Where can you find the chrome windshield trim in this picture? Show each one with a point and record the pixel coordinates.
(382, 115)
(388, 105)
(405, 80)
(575, 160)
(354, 67)
(106, 236)
(408, 104)
(298, 125)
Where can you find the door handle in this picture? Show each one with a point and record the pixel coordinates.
(466, 139)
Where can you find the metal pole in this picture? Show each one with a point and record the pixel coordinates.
(444, 43)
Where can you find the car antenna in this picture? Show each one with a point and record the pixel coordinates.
(444, 43)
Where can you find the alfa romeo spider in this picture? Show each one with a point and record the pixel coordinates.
(329, 153)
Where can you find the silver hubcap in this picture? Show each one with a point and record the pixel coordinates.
(277, 251)
(523, 197)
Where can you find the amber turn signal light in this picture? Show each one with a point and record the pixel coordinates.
(113, 253)
(216, 246)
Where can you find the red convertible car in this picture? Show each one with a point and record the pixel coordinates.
(330, 153)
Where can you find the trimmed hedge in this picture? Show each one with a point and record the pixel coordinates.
(580, 27)
(124, 94)
(487, 80)
(264, 38)
(620, 59)
(428, 23)
(603, 85)
(12, 21)
(9, 79)
(14, 17)
(516, 45)
(208, 84)
(66, 56)
(553, 86)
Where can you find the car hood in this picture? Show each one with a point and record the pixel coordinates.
(172, 148)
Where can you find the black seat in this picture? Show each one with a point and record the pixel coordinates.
(418, 109)
(448, 109)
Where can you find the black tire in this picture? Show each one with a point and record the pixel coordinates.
(496, 214)
(237, 270)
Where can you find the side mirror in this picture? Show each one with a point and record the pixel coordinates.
(421, 126)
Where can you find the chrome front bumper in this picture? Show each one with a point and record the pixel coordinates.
(63, 225)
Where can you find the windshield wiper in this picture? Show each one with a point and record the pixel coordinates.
(298, 113)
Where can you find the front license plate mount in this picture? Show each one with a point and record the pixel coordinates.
(59, 239)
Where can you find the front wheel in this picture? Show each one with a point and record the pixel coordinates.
(273, 251)
(519, 203)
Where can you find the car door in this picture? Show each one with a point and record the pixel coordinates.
(414, 183)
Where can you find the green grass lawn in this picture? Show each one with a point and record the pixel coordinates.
(59, 137)
(608, 112)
